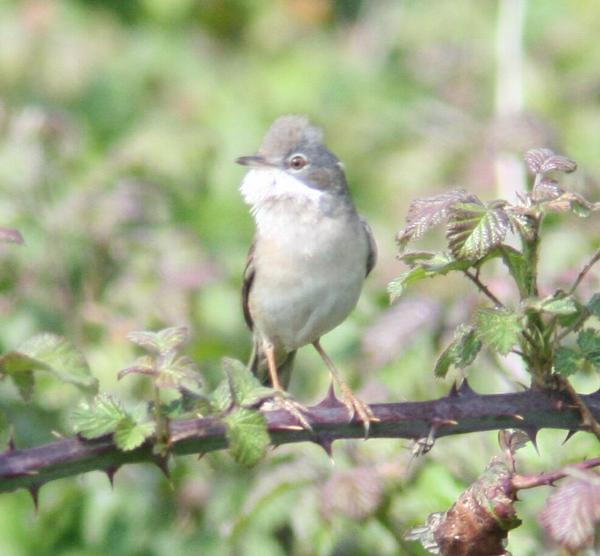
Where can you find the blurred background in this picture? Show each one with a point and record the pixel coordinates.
(119, 124)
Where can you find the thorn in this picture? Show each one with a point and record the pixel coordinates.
(200, 456)
(34, 491)
(438, 423)
(532, 432)
(289, 428)
(326, 444)
(330, 400)
(57, 434)
(110, 473)
(518, 417)
(453, 391)
(568, 437)
(465, 389)
(163, 464)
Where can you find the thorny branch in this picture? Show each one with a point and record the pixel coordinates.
(461, 411)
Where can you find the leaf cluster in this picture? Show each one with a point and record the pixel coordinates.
(233, 402)
(478, 232)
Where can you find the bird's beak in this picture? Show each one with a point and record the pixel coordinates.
(255, 161)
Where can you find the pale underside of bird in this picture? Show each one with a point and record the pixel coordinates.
(309, 258)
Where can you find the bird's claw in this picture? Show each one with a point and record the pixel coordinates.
(356, 406)
(283, 401)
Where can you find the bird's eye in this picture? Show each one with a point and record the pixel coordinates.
(297, 162)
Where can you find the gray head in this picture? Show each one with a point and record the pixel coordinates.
(296, 147)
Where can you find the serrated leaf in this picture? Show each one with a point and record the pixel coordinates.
(54, 354)
(522, 222)
(97, 418)
(498, 329)
(588, 341)
(572, 202)
(9, 235)
(461, 352)
(427, 212)
(424, 265)
(160, 342)
(565, 305)
(567, 361)
(557, 304)
(130, 434)
(143, 365)
(572, 512)
(247, 436)
(244, 388)
(177, 371)
(474, 230)
(546, 190)
(542, 160)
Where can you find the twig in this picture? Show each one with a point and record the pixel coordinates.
(595, 258)
(521, 482)
(574, 326)
(483, 288)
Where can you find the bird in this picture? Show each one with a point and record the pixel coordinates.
(309, 258)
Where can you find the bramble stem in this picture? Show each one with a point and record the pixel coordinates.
(462, 411)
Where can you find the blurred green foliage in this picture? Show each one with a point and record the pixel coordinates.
(119, 122)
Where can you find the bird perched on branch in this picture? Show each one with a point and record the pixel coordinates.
(309, 258)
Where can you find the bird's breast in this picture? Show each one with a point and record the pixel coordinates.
(309, 272)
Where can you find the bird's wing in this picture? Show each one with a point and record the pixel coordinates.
(249, 273)
(372, 246)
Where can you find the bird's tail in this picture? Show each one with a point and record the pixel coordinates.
(258, 366)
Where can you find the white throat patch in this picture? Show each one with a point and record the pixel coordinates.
(263, 185)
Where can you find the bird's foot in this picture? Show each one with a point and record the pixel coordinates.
(355, 407)
(281, 400)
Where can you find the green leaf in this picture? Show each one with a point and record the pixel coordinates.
(244, 388)
(247, 436)
(427, 212)
(593, 305)
(498, 329)
(51, 353)
(517, 266)
(522, 222)
(461, 352)
(565, 305)
(424, 265)
(397, 286)
(567, 361)
(160, 342)
(97, 418)
(588, 341)
(556, 304)
(177, 371)
(474, 230)
(130, 434)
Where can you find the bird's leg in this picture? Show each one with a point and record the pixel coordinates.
(280, 398)
(352, 403)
